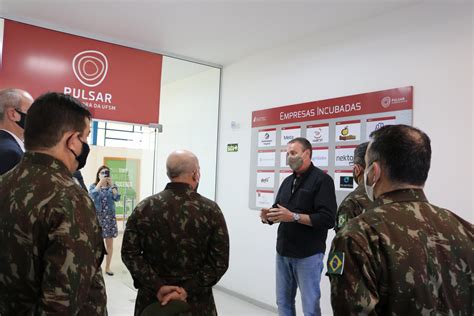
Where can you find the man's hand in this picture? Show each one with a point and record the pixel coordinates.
(264, 215)
(280, 214)
(167, 293)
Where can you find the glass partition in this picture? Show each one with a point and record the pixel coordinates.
(136, 154)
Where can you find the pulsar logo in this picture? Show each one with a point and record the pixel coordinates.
(386, 102)
(90, 67)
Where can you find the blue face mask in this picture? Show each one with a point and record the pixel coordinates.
(22, 120)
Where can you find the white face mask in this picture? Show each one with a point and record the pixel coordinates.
(369, 189)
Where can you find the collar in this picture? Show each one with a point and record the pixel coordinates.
(306, 173)
(18, 140)
(178, 186)
(402, 195)
(47, 161)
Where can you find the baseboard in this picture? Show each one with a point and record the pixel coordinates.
(247, 299)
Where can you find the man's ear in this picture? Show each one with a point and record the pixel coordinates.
(357, 170)
(10, 112)
(69, 138)
(377, 171)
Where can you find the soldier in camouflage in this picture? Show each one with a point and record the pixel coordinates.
(403, 256)
(176, 244)
(51, 240)
(356, 201)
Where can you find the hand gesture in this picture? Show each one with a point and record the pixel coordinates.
(279, 214)
(264, 215)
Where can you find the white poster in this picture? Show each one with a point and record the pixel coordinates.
(344, 180)
(264, 198)
(374, 124)
(265, 178)
(267, 137)
(344, 155)
(320, 156)
(317, 133)
(283, 159)
(266, 158)
(285, 174)
(289, 133)
(348, 131)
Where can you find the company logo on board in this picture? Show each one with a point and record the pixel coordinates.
(386, 102)
(90, 67)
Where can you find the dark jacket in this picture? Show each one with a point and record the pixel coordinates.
(315, 195)
(10, 152)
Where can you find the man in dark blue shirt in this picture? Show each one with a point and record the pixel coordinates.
(305, 207)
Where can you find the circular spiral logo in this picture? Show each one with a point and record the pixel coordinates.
(90, 67)
(386, 102)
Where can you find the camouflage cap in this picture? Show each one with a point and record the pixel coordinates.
(173, 308)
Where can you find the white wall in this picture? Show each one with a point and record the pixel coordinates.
(428, 46)
(188, 112)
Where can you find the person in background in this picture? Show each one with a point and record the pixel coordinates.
(51, 241)
(403, 255)
(356, 201)
(14, 103)
(176, 244)
(104, 194)
(305, 208)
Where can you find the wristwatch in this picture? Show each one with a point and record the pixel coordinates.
(296, 217)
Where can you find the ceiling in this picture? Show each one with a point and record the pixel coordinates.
(216, 32)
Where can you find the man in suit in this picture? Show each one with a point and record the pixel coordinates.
(14, 103)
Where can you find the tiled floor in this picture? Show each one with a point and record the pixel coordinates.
(121, 294)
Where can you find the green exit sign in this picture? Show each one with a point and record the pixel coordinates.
(232, 148)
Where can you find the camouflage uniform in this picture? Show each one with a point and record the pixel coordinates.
(176, 237)
(352, 206)
(51, 243)
(403, 257)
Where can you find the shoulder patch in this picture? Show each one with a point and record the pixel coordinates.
(336, 263)
(341, 220)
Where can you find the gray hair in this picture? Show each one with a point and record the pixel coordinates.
(9, 98)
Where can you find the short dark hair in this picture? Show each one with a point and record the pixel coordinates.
(404, 151)
(98, 172)
(304, 142)
(50, 116)
(359, 154)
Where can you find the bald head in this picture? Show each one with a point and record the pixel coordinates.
(181, 164)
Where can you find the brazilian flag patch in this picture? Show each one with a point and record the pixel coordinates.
(336, 263)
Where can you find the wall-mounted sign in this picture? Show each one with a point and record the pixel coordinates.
(117, 83)
(334, 127)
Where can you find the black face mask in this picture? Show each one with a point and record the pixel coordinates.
(82, 158)
(22, 120)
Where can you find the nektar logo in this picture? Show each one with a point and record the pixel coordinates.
(90, 67)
